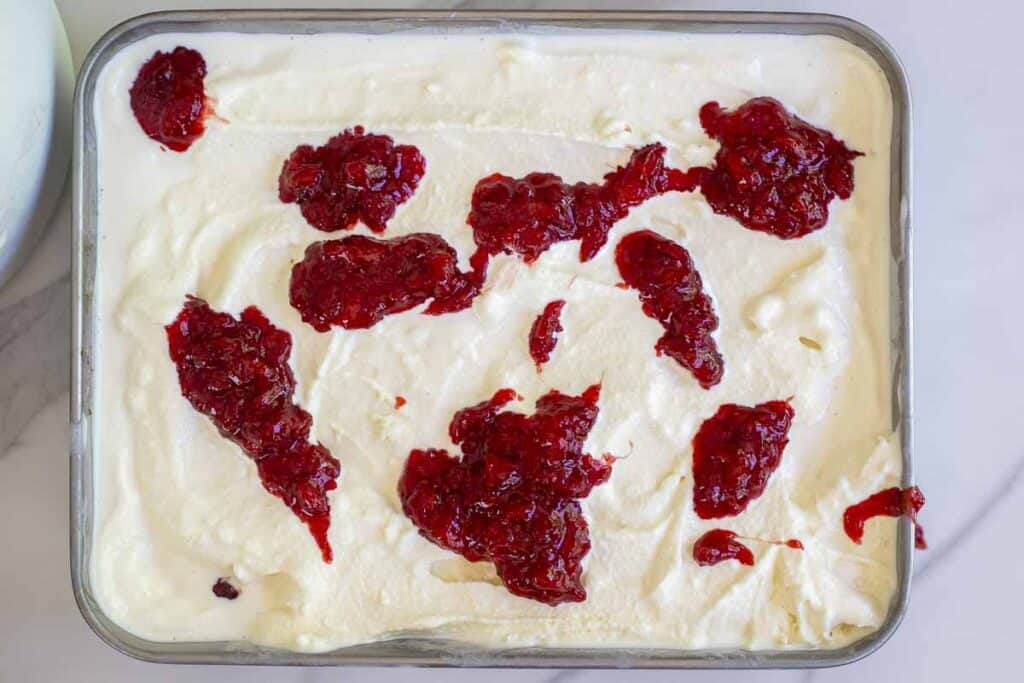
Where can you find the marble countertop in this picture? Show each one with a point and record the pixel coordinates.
(965, 72)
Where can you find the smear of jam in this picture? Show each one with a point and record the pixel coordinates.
(672, 293)
(224, 589)
(919, 541)
(527, 215)
(168, 98)
(735, 452)
(891, 502)
(354, 176)
(793, 543)
(235, 371)
(356, 281)
(399, 402)
(719, 545)
(513, 496)
(774, 172)
(544, 332)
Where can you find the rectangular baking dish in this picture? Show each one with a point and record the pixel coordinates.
(438, 652)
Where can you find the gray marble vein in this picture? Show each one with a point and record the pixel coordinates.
(564, 676)
(975, 522)
(34, 352)
(988, 506)
(47, 263)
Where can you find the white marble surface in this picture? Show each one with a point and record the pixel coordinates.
(966, 77)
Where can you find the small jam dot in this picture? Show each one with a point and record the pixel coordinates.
(224, 589)
(544, 332)
(719, 545)
(399, 402)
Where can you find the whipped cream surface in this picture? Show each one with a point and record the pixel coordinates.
(178, 506)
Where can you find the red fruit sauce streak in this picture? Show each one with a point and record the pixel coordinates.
(223, 589)
(527, 215)
(356, 281)
(793, 543)
(168, 98)
(400, 402)
(891, 502)
(354, 176)
(774, 172)
(719, 545)
(513, 496)
(236, 373)
(544, 332)
(735, 452)
(672, 293)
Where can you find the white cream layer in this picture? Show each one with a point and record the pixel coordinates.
(179, 506)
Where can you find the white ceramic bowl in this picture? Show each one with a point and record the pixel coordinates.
(37, 80)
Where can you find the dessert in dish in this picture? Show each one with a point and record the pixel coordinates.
(674, 248)
(719, 545)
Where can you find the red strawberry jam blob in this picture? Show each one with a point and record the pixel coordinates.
(735, 452)
(356, 281)
(719, 545)
(527, 215)
(223, 589)
(513, 496)
(544, 332)
(774, 172)
(892, 502)
(168, 98)
(354, 176)
(672, 293)
(400, 402)
(236, 373)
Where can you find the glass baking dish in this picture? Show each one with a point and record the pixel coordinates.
(441, 652)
